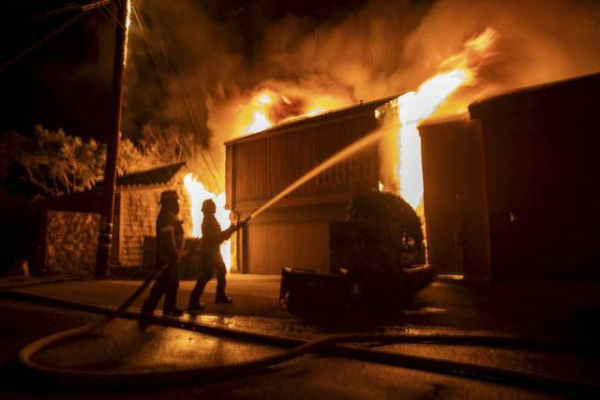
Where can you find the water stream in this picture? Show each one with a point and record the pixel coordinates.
(339, 156)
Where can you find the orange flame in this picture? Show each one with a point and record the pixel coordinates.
(269, 107)
(413, 107)
(197, 194)
(260, 106)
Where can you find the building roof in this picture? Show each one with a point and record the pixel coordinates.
(302, 122)
(548, 96)
(92, 201)
(162, 175)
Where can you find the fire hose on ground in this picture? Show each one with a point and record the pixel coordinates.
(331, 345)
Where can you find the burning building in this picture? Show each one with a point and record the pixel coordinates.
(295, 231)
(508, 194)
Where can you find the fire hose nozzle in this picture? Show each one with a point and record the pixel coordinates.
(244, 222)
(240, 224)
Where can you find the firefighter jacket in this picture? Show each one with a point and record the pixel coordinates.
(169, 237)
(212, 236)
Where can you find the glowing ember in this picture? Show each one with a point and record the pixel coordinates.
(413, 107)
(197, 194)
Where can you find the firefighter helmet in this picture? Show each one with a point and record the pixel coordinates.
(209, 206)
(168, 195)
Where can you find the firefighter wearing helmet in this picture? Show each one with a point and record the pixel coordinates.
(210, 257)
(169, 250)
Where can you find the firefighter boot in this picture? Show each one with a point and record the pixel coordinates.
(222, 299)
(195, 308)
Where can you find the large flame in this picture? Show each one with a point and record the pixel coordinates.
(197, 194)
(259, 108)
(269, 107)
(413, 107)
(266, 107)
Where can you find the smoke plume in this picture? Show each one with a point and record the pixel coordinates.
(197, 68)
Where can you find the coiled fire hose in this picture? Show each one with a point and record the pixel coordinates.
(77, 379)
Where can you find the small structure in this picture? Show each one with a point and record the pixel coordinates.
(72, 221)
(295, 231)
(138, 196)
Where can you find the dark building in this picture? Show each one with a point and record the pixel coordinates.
(454, 198)
(512, 195)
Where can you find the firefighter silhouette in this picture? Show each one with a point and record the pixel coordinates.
(169, 250)
(210, 257)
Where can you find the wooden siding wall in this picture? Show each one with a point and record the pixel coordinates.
(296, 231)
(138, 209)
(295, 244)
(260, 168)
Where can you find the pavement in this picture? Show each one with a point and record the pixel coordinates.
(561, 313)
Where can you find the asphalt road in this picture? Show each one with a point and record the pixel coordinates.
(120, 346)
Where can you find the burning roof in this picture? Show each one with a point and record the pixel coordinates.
(304, 121)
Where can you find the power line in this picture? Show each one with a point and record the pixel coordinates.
(192, 120)
(69, 7)
(83, 10)
(107, 16)
(40, 42)
(114, 17)
(138, 19)
(193, 124)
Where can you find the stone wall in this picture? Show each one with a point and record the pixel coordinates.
(72, 240)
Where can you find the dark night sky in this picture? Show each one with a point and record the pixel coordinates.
(66, 82)
(45, 85)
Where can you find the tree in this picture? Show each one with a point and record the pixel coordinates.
(169, 144)
(55, 163)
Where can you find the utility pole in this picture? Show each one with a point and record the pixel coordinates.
(112, 142)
